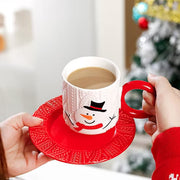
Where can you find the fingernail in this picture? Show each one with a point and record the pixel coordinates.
(144, 93)
(38, 119)
(151, 75)
(154, 127)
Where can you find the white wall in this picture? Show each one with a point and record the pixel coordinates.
(17, 75)
(110, 31)
(63, 30)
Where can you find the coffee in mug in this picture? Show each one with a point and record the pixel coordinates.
(91, 78)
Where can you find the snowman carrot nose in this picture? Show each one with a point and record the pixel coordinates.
(86, 116)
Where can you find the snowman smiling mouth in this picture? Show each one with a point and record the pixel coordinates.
(89, 122)
(89, 118)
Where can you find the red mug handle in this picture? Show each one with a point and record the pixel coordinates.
(143, 85)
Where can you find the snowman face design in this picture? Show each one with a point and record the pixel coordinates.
(88, 117)
(92, 119)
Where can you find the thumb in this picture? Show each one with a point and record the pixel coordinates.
(161, 84)
(23, 119)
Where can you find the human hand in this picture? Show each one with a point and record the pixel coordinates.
(164, 108)
(21, 155)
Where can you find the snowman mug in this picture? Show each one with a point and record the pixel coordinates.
(95, 111)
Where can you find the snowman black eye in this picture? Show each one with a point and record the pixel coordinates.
(87, 113)
(93, 114)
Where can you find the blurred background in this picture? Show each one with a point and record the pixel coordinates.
(38, 37)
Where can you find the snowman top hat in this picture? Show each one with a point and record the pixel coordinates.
(96, 106)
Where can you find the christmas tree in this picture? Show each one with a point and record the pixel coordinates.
(158, 48)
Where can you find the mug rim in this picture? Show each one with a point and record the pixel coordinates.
(117, 75)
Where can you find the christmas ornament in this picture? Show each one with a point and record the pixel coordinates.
(139, 11)
(142, 7)
(143, 23)
(168, 10)
(136, 14)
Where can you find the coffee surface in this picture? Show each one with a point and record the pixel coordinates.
(91, 78)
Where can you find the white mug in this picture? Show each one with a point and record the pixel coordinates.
(95, 111)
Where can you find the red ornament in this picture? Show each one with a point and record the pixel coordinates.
(143, 23)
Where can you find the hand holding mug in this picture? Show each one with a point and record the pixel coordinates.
(164, 108)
